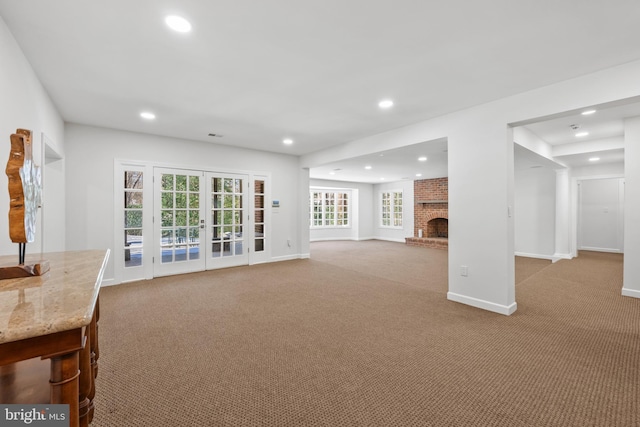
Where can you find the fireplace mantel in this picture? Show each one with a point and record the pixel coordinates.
(428, 202)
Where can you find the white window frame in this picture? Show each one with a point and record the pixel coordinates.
(337, 195)
(145, 271)
(395, 216)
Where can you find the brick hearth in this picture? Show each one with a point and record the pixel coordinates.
(428, 242)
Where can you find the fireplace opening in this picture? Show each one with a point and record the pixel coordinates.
(438, 227)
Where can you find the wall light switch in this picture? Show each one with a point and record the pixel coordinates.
(464, 270)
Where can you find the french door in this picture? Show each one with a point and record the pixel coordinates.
(178, 221)
(201, 221)
(227, 220)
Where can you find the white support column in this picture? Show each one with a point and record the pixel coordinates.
(481, 216)
(631, 280)
(563, 212)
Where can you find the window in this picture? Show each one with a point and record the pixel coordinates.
(133, 204)
(259, 221)
(329, 208)
(391, 204)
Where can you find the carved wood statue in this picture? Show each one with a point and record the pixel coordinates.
(24, 199)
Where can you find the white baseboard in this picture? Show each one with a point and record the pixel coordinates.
(589, 248)
(537, 256)
(333, 239)
(108, 282)
(630, 293)
(357, 239)
(558, 256)
(485, 305)
(553, 258)
(387, 239)
(287, 258)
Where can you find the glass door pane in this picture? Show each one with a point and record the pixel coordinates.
(133, 214)
(258, 215)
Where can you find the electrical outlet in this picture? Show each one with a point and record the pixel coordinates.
(289, 242)
(464, 270)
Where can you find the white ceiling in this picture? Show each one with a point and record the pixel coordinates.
(391, 165)
(604, 141)
(257, 72)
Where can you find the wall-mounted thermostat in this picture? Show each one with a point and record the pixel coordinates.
(275, 204)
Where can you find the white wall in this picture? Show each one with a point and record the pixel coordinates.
(600, 214)
(408, 204)
(598, 170)
(578, 174)
(631, 278)
(25, 104)
(90, 166)
(535, 212)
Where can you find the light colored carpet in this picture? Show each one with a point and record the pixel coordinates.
(362, 335)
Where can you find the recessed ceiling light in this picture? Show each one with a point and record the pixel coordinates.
(594, 159)
(386, 103)
(367, 167)
(287, 141)
(147, 115)
(381, 179)
(581, 134)
(588, 112)
(178, 23)
(332, 173)
(422, 159)
(418, 174)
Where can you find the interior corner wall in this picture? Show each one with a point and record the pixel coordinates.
(408, 205)
(535, 212)
(91, 152)
(631, 278)
(25, 104)
(303, 212)
(361, 205)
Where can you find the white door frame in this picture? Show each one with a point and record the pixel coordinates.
(145, 271)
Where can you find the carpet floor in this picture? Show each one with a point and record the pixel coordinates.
(362, 334)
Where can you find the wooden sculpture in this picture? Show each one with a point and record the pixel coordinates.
(24, 199)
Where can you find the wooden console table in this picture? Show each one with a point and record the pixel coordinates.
(54, 317)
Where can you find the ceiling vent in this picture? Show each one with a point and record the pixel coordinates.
(215, 135)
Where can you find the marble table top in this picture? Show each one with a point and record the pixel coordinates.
(62, 299)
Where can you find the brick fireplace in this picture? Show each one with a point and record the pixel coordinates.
(431, 213)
